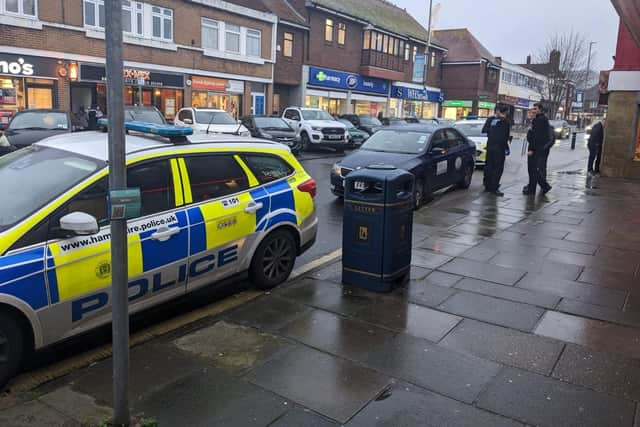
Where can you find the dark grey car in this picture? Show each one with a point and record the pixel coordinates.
(30, 126)
(273, 128)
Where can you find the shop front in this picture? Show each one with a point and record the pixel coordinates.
(223, 94)
(165, 91)
(414, 102)
(26, 82)
(519, 107)
(338, 92)
(456, 109)
(485, 108)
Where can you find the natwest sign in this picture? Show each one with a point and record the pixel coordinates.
(347, 81)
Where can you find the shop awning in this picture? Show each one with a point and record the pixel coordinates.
(629, 11)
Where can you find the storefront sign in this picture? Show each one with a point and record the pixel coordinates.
(27, 66)
(418, 68)
(208, 83)
(458, 103)
(402, 92)
(130, 76)
(340, 80)
(486, 105)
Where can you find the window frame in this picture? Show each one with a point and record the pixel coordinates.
(366, 40)
(228, 31)
(407, 51)
(342, 33)
(20, 13)
(287, 41)
(328, 30)
(229, 156)
(210, 24)
(248, 36)
(433, 59)
(162, 15)
(171, 189)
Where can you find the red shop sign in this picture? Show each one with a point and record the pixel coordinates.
(208, 83)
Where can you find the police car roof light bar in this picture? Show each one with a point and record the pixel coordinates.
(176, 134)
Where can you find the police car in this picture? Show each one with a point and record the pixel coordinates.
(210, 208)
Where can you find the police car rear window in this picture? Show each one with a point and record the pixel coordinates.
(215, 176)
(267, 168)
(34, 176)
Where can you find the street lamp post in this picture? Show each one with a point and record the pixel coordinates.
(586, 80)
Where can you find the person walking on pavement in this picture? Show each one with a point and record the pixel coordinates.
(498, 130)
(595, 147)
(539, 141)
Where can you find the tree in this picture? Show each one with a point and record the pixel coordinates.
(563, 61)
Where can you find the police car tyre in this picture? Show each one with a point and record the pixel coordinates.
(273, 261)
(418, 194)
(467, 176)
(12, 346)
(306, 143)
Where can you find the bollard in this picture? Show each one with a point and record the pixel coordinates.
(573, 140)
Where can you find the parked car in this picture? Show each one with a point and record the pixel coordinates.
(134, 113)
(561, 128)
(438, 157)
(316, 127)
(356, 136)
(210, 120)
(363, 122)
(394, 121)
(472, 129)
(444, 122)
(273, 128)
(30, 126)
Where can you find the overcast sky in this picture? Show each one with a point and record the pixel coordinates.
(508, 28)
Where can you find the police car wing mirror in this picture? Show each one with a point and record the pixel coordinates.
(187, 121)
(437, 151)
(79, 223)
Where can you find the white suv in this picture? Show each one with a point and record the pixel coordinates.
(210, 120)
(316, 127)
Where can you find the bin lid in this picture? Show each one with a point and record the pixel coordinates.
(382, 167)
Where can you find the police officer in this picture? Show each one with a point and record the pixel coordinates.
(539, 142)
(498, 130)
(595, 147)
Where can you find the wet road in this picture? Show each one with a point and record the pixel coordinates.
(329, 208)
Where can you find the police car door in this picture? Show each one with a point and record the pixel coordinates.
(79, 267)
(437, 157)
(222, 219)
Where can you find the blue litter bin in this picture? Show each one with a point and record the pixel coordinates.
(377, 228)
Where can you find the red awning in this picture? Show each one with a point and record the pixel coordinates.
(629, 11)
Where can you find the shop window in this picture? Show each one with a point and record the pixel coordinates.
(366, 44)
(210, 34)
(342, 33)
(162, 23)
(214, 176)
(232, 38)
(288, 45)
(328, 30)
(254, 43)
(21, 7)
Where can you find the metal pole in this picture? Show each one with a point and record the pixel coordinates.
(427, 59)
(117, 180)
(586, 84)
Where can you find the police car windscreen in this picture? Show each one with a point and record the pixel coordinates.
(215, 118)
(34, 176)
(471, 129)
(391, 141)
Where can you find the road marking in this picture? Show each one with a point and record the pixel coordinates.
(315, 264)
(30, 380)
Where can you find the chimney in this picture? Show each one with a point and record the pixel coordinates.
(554, 60)
(528, 59)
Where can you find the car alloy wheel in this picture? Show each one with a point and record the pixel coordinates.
(11, 347)
(418, 194)
(306, 143)
(273, 260)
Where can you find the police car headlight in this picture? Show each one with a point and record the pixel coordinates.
(4, 142)
(245, 133)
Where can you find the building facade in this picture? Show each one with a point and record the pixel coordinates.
(207, 53)
(519, 88)
(470, 75)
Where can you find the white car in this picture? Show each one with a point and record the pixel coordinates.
(472, 129)
(316, 127)
(210, 120)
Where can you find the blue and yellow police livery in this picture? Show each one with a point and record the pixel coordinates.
(210, 209)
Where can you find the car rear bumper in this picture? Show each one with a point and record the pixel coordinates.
(308, 232)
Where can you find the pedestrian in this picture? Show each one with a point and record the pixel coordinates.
(595, 147)
(380, 116)
(540, 141)
(498, 129)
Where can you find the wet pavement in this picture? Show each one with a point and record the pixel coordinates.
(520, 311)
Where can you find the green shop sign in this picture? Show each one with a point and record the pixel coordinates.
(458, 103)
(487, 105)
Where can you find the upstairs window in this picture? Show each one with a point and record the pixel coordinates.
(21, 7)
(232, 38)
(342, 33)
(210, 34)
(288, 45)
(254, 43)
(162, 20)
(366, 44)
(94, 13)
(328, 30)
(132, 16)
(415, 52)
(407, 51)
(433, 59)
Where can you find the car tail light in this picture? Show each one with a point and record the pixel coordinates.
(309, 187)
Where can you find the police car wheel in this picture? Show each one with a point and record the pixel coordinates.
(418, 194)
(466, 178)
(11, 347)
(273, 260)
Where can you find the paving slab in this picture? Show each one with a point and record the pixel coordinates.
(493, 310)
(537, 265)
(600, 371)
(511, 293)
(504, 345)
(443, 371)
(463, 239)
(78, 406)
(590, 333)
(482, 271)
(605, 261)
(609, 279)
(230, 347)
(427, 259)
(479, 253)
(268, 313)
(212, 398)
(440, 278)
(419, 273)
(332, 272)
(328, 296)
(628, 318)
(514, 247)
(428, 295)
(300, 417)
(406, 405)
(478, 230)
(578, 291)
(543, 401)
(400, 315)
(331, 386)
(443, 247)
(35, 413)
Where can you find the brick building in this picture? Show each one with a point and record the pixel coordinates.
(519, 88)
(363, 56)
(470, 75)
(200, 52)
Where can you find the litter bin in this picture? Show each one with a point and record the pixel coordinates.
(377, 228)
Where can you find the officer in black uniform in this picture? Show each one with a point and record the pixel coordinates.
(539, 142)
(498, 130)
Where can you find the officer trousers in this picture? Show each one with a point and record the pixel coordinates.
(595, 153)
(537, 168)
(493, 169)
